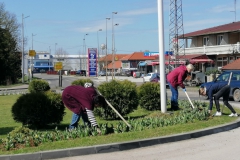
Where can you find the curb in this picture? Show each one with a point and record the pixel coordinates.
(78, 151)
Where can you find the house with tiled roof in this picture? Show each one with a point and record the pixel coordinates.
(132, 61)
(123, 62)
(108, 61)
(235, 65)
(219, 43)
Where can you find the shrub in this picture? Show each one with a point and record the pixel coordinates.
(121, 94)
(213, 71)
(81, 82)
(38, 85)
(149, 96)
(38, 109)
(20, 130)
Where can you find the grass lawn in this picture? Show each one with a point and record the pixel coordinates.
(8, 124)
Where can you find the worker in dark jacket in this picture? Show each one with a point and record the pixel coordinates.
(216, 91)
(175, 78)
(81, 101)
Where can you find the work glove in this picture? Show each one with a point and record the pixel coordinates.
(184, 89)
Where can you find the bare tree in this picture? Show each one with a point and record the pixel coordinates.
(62, 55)
(9, 21)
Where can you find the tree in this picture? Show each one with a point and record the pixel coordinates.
(62, 55)
(9, 21)
(10, 57)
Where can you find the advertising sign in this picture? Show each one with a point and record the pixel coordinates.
(151, 54)
(92, 62)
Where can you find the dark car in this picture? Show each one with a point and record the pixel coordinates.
(156, 78)
(234, 83)
(102, 73)
(81, 73)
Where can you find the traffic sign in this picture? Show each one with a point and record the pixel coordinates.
(58, 66)
(32, 53)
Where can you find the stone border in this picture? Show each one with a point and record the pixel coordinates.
(78, 151)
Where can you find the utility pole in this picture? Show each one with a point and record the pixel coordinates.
(106, 51)
(23, 47)
(113, 69)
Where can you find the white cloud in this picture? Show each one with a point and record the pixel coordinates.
(192, 26)
(139, 12)
(221, 8)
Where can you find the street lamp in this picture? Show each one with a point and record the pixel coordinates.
(106, 51)
(114, 49)
(49, 58)
(32, 39)
(84, 49)
(113, 69)
(31, 63)
(103, 46)
(23, 47)
(98, 50)
(55, 47)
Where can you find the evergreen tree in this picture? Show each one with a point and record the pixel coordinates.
(10, 57)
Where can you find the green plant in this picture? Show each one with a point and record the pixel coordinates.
(121, 94)
(149, 96)
(38, 85)
(81, 82)
(213, 71)
(22, 129)
(38, 109)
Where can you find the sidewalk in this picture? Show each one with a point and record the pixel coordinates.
(24, 86)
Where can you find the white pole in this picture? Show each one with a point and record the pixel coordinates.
(23, 47)
(22, 50)
(161, 57)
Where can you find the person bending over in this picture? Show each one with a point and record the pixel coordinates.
(175, 78)
(214, 92)
(81, 101)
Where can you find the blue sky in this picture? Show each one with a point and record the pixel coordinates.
(65, 22)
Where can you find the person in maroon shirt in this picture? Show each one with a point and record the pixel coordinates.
(81, 101)
(175, 78)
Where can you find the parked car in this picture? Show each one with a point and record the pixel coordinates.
(81, 73)
(102, 73)
(234, 83)
(156, 78)
(130, 72)
(147, 77)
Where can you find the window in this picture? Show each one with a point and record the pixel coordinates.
(222, 61)
(231, 59)
(235, 77)
(223, 77)
(205, 40)
(219, 39)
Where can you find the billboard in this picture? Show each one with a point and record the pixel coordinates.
(92, 62)
(151, 54)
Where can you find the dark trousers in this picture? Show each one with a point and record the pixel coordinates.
(224, 92)
(174, 98)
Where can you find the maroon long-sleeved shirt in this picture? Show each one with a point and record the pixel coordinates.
(77, 98)
(177, 76)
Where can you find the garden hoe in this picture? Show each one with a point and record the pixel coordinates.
(189, 99)
(115, 110)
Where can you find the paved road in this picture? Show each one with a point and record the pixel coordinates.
(53, 80)
(220, 146)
